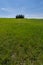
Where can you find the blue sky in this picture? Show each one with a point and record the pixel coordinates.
(29, 8)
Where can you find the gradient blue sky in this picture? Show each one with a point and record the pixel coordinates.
(30, 8)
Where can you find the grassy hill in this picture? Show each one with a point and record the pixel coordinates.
(21, 41)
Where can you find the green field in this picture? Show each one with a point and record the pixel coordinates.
(21, 41)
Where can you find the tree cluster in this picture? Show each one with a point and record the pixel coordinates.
(19, 16)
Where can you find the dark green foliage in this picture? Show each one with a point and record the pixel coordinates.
(5, 62)
(19, 16)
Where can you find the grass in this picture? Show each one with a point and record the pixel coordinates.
(21, 41)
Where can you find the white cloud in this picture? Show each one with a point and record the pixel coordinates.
(22, 9)
(34, 16)
(12, 12)
(7, 9)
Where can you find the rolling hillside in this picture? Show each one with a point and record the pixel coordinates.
(21, 41)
